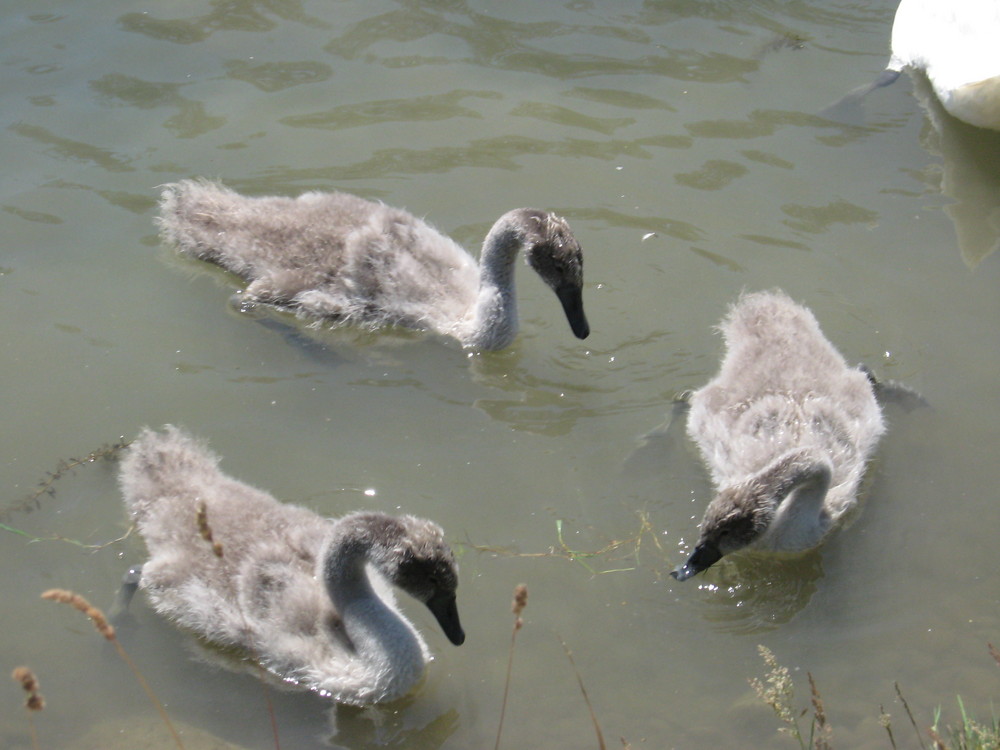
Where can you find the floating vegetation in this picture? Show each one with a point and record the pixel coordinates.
(61, 538)
(46, 487)
(616, 549)
(32, 501)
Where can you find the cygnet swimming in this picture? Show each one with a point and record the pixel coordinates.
(305, 597)
(339, 258)
(786, 429)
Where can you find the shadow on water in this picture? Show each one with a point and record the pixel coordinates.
(969, 174)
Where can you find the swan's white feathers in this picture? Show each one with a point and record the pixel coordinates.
(955, 42)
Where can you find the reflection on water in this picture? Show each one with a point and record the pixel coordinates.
(429, 108)
(225, 15)
(73, 149)
(390, 727)
(754, 592)
(970, 175)
(191, 119)
(401, 723)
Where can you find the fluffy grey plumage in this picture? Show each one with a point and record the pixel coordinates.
(303, 595)
(786, 429)
(340, 258)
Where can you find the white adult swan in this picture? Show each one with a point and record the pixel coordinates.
(786, 429)
(340, 258)
(302, 595)
(954, 42)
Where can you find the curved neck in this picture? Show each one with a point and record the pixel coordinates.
(797, 484)
(494, 318)
(377, 632)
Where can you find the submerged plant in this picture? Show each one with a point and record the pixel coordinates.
(32, 501)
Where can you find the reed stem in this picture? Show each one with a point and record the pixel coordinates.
(517, 607)
(107, 630)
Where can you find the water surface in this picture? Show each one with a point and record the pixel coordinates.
(683, 142)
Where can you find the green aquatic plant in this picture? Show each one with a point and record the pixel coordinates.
(969, 735)
(630, 547)
(778, 691)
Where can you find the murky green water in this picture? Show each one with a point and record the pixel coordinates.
(681, 141)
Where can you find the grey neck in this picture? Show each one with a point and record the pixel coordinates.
(495, 319)
(800, 482)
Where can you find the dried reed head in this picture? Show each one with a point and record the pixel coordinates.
(205, 530)
(35, 701)
(519, 603)
(104, 628)
(78, 602)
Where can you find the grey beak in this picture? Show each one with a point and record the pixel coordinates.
(572, 304)
(705, 555)
(444, 607)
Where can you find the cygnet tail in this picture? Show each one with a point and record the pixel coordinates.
(163, 464)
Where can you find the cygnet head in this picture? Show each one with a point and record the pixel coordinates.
(733, 520)
(782, 501)
(555, 254)
(412, 554)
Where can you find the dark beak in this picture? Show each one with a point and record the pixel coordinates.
(571, 298)
(444, 607)
(705, 555)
